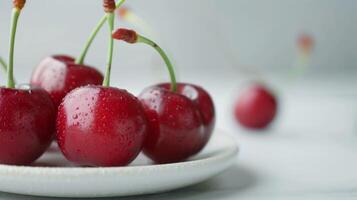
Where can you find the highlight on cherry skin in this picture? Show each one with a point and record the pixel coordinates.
(181, 116)
(256, 107)
(59, 75)
(27, 115)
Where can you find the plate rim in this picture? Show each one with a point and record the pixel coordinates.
(232, 150)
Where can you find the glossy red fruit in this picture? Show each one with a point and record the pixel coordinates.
(101, 126)
(180, 123)
(27, 125)
(59, 75)
(256, 107)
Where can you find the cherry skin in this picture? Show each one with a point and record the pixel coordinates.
(101, 126)
(27, 124)
(180, 123)
(59, 75)
(256, 108)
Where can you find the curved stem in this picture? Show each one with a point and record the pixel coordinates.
(80, 59)
(90, 40)
(10, 72)
(164, 57)
(3, 64)
(110, 19)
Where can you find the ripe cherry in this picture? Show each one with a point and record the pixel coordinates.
(60, 74)
(101, 125)
(180, 123)
(27, 115)
(256, 107)
(27, 124)
(181, 116)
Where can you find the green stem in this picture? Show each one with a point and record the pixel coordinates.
(10, 71)
(110, 19)
(3, 64)
(80, 59)
(165, 57)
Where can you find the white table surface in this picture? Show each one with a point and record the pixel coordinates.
(309, 153)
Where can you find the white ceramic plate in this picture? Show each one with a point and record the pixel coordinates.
(53, 176)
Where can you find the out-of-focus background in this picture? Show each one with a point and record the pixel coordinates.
(309, 151)
(210, 37)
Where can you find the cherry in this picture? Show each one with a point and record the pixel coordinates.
(101, 125)
(60, 74)
(256, 107)
(180, 123)
(27, 125)
(181, 116)
(27, 115)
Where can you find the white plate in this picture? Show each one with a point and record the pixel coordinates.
(53, 176)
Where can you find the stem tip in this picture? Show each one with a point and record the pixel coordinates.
(19, 4)
(126, 35)
(109, 6)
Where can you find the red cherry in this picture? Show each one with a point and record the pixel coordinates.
(180, 123)
(101, 126)
(181, 117)
(256, 107)
(27, 124)
(59, 75)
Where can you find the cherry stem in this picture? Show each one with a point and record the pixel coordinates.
(164, 56)
(110, 19)
(10, 72)
(3, 64)
(81, 58)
